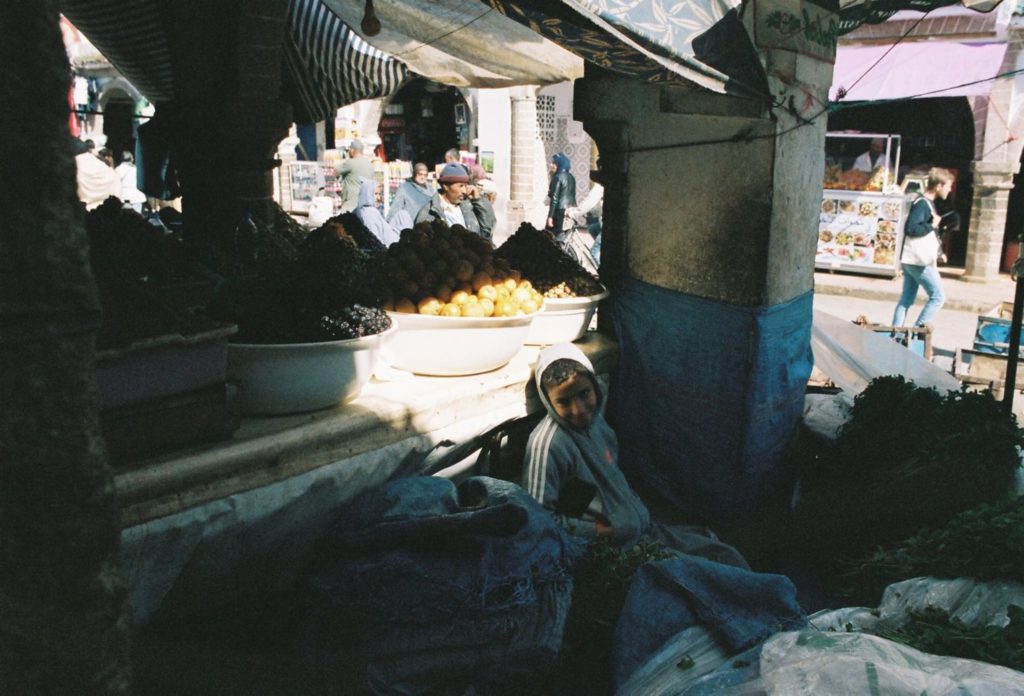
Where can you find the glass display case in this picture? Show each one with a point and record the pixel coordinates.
(860, 227)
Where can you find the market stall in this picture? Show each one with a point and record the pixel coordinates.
(860, 228)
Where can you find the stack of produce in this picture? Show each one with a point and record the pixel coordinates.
(909, 457)
(348, 224)
(131, 261)
(855, 179)
(553, 272)
(121, 238)
(449, 271)
(321, 295)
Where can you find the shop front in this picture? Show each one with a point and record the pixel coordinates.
(946, 82)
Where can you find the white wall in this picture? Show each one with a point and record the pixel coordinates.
(494, 134)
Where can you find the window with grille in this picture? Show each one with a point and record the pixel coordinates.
(546, 117)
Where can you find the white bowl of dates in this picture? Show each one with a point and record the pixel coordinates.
(563, 319)
(453, 346)
(276, 378)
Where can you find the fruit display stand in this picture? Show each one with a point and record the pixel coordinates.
(277, 483)
(860, 226)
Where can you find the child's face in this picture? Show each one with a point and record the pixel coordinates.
(575, 400)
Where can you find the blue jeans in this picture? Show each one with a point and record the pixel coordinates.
(926, 277)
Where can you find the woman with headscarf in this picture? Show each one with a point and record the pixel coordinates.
(561, 193)
(366, 211)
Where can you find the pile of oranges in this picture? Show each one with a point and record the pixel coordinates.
(451, 272)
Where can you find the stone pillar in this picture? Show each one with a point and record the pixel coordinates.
(64, 627)
(992, 184)
(229, 124)
(524, 200)
(710, 220)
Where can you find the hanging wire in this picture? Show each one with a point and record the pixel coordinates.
(843, 91)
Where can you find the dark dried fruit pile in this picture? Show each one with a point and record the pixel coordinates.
(132, 261)
(319, 296)
(348, 224)
(554, 273)
(121, 238)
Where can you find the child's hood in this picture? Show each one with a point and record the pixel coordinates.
(569, 351)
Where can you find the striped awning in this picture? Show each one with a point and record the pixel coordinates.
(132, 38)
(328, 65)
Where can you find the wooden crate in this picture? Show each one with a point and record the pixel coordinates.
(905, 334)
(982, 369)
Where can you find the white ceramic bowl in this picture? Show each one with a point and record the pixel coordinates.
(296, 377)
(449, 346)
(563, 319)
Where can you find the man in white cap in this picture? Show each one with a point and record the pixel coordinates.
(350, 171)
(459, 203)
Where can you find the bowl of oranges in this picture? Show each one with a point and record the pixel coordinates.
(456, 309)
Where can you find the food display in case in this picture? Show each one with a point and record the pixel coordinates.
(860, 226)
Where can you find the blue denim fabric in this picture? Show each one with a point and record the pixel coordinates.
(740, 607)
(926, 277)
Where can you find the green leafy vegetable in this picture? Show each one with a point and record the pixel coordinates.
(932, 631)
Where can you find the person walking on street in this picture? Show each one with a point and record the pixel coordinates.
(459, 203)
(921, 249)
(350, 171)
(561, 193)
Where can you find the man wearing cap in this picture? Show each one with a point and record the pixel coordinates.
(350, 171)
(459, 203)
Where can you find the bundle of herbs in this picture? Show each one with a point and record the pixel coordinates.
(932, 631)
(985, 542)
(909, 457)
(601, 580)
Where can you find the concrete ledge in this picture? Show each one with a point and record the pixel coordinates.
(266, 450)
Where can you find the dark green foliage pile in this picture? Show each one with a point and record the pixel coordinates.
(932, 631)
(600, 582)
(985, 542)
(908, 458)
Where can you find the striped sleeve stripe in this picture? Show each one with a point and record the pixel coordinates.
(329, 65)
(538, 458)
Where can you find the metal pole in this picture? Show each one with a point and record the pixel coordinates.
(1014, 353)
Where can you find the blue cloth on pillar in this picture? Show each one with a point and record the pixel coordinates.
(708, 394)
(739, 607)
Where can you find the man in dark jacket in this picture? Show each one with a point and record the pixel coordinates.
(561, 193)
(459, 203)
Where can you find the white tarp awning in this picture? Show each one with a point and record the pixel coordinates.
(462, 42)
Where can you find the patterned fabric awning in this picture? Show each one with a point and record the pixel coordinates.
(686, 41)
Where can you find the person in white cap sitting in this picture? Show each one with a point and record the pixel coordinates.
(459, 203)
(350, 171)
